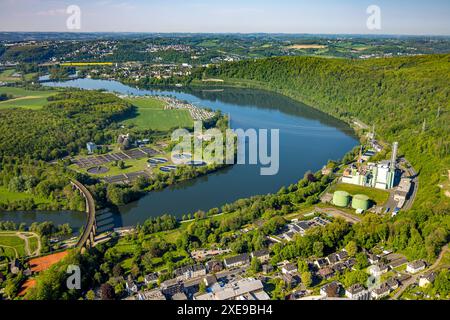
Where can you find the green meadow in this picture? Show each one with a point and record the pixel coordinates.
(151, 115)
(23, 98)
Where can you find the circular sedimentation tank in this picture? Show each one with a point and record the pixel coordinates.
(360, 201)
(341, 198)
(97, 170)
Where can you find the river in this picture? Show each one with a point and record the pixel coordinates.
(308, 139)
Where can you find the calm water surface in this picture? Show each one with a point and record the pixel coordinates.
(308, 139)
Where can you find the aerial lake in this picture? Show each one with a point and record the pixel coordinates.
(308, 139)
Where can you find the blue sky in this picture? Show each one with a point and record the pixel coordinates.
(246, 16)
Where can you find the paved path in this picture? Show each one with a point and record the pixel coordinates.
(414, 278)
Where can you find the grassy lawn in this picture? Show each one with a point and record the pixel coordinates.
(12, 244)
(30, 99)
(151, 115)
(6, 76)
(376, 195)
(8, 196)
(33, 243)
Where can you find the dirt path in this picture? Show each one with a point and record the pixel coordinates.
(414, 278)
(25, 236)
(27, 244)
(17, 254)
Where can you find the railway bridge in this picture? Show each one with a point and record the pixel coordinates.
(87, 238)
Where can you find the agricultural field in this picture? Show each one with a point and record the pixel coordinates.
(30, 99)
(151, 115)
(376, 195)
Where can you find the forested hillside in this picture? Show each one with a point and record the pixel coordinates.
(62, 127)
(398, 96)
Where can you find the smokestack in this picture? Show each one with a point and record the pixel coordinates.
(394, 155)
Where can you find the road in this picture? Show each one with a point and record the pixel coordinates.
(414, 278)
(414, 183)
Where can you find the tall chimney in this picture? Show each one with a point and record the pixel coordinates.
(394, 155)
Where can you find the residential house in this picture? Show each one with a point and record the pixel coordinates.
(131, 286)
(151, 278)
(415, 266)
(357, 292)
(392, 283)
(262, 255)
(172, 286)
(332, 258)
(330, 289)
(339, 267)
(342, 255)
(154, 294)
(290, 268)
(190, 272)
(381, 292)
(214, 266)
(427, 279)
(267, 268)
(301, 227)
(378, 269)
(397, 262)
(291, 280)
(321, 263)
(326, 273)
(237, 261)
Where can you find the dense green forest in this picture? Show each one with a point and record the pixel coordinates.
(62, 127)
(41, 186)
(406, 99)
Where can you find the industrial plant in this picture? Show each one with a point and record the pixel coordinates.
(383, 175)
(379, 175)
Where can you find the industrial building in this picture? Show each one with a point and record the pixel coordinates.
(379, 175)
(91, 147)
